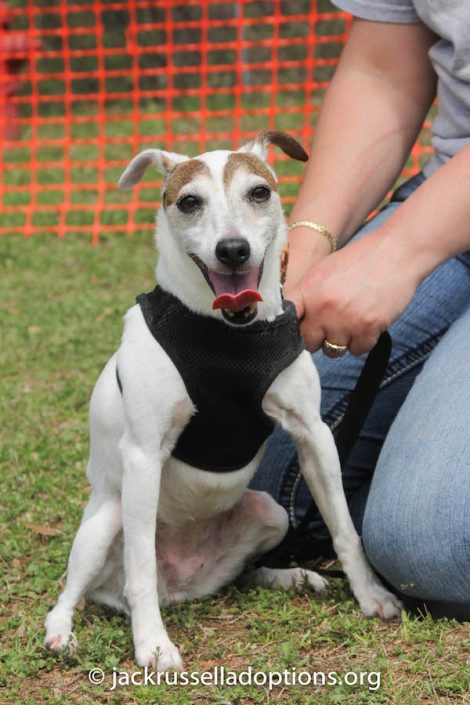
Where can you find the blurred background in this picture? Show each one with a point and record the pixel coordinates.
(86, 84)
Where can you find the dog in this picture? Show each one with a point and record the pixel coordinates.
(169, 518)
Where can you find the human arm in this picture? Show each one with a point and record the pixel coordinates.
(350, 297)
(359, 149)
(370, 118)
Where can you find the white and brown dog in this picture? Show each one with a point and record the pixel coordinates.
(167, 521)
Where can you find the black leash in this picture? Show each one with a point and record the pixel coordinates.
(298, 544)
(363, 396)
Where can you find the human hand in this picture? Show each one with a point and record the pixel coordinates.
(353, 295)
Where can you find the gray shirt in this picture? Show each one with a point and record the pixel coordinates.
(450, 56)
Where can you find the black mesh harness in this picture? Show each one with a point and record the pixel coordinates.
(227, 370)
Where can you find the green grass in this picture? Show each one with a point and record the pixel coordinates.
(62, 304)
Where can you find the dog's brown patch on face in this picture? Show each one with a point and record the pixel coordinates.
(252, 164)
(182, 174)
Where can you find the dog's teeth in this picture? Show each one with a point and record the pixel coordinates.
(249, 310)
(246, 312)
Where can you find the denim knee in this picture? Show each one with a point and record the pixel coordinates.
(416, 561)
(416, 528)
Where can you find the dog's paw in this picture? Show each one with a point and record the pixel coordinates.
(59, 636)
(58, 642)
(286, 578)
(300, 578)
(377, 601)
(160, 656)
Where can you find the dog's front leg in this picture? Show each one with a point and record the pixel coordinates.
(156, 409)
(100, 524)
(140, 493)
(294, 400)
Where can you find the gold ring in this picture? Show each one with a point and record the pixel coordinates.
(334, 350)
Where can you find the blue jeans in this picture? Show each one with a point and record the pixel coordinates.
(407, 480)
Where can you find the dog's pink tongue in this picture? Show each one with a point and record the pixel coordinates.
(235, 291)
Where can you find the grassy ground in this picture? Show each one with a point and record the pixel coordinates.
(61, 311)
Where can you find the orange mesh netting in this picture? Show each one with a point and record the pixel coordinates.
(86, 84)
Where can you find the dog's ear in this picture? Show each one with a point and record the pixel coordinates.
(164, 161)
(286, 142)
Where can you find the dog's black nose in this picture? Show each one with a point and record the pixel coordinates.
(232, 251)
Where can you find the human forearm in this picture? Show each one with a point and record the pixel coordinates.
(433, 224)
(371, 115)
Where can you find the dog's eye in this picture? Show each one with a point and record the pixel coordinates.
(259, 194)
(188, 204)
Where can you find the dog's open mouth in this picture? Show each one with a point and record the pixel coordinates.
(236, 294)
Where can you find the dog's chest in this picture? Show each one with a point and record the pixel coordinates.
(227, 371)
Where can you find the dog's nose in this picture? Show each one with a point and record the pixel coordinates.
(232, 251)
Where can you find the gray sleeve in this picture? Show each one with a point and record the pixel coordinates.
(401, 11)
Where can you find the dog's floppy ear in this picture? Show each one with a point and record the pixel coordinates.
(164, 161)
(286, 142)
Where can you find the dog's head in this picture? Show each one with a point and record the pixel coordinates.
(221, 225)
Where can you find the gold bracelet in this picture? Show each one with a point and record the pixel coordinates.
(319, 228)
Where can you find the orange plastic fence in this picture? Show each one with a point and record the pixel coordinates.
(86, 84)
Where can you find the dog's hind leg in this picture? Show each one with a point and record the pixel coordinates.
(97, 531)
(293, 400)
(269, 524)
